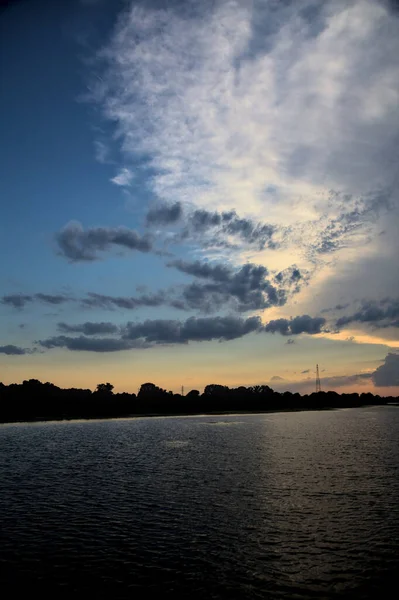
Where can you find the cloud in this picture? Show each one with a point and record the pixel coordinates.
(290, 341)
(157, 332)
(16, 300)
(305, 371)
(230, 224)
(335, 308)
(380, 314)
(94, 300)
(354, 214)
(79, 245)
(164, 214)
(216, 226)
(387, 374)
(123, 178)
(89, 328)
(204, 270)
(101, 152)
(52, 298)
(86, 344)
(247, 288)
(277, 378)
(296, 325)
(264, 108)
(307, 386)
(153, 332)
(193, 329)
(12, 350)
(21, 300)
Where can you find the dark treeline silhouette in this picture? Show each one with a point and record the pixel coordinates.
(36, 401)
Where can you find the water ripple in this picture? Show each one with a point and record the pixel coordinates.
(292, 505)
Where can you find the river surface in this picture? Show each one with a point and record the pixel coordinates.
(283, 505)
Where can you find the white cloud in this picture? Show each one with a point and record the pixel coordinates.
(123, 178)
(257, 107)
(101, 152)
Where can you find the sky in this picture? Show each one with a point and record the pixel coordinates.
(200, 192)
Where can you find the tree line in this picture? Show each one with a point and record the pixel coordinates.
(33, 400)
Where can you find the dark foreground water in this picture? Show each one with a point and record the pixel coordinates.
(294, 505)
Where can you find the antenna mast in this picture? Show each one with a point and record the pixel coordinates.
(318, 384)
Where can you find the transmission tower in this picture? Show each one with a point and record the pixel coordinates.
(318, 384)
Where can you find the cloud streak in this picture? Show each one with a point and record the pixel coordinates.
(21, 300)
(155, 332)
(89, 328)
(382, 314)
(11, 350)
(76, 244)
(86, 344)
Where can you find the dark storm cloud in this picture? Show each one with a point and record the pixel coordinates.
(164, 214)
(384, 313)
(388, 373)
(89, 328)
(248, 288)
(393, 5)
(296, 326)
(78, 245)
(193, 329)
(12, 350)
(87, 344)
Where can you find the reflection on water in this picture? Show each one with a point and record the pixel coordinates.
(291, 505)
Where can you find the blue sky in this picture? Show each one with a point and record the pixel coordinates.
(196, 193)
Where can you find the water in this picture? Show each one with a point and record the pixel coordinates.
(289, 505)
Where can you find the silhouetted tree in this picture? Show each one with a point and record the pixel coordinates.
(33, 401)
(104, 388)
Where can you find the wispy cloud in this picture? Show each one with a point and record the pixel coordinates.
(211, 227)
(101, 152)
(253, 106)
(124, 178)
(21, 300)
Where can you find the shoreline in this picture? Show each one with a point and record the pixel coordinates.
(184, 415)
